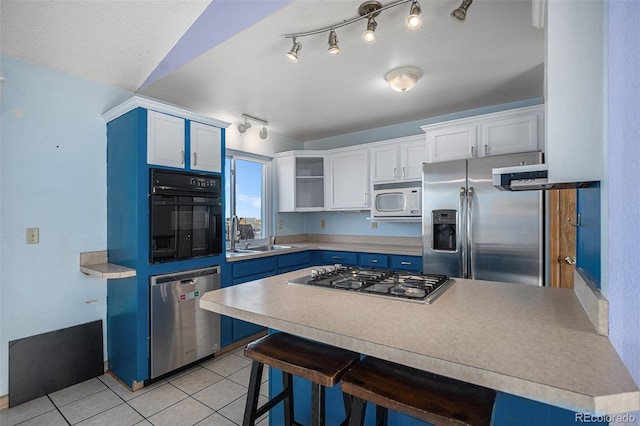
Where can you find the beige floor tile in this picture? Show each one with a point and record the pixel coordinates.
(93, 404)
(120, 415)
(196, 380)
(157, 400)
(26, 411)
(235, 410)
(109, 380)
(227, 365)
(242, 376)
(186, 412)
(52, 418)
(73, 393)
(216, 420)
(124, 392)
(220, 394)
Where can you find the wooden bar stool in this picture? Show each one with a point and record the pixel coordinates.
(426, 396)
(322, 364)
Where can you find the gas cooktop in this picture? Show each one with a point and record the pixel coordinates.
(401, 285)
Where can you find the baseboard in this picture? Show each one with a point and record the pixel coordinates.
(594, 303)
(4, 401)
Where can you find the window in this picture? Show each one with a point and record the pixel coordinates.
(247, 186)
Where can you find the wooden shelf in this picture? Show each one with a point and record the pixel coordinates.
(95, 263)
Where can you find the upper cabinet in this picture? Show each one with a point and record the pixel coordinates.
(348, 186)
(175, 137)
(300, 181)
(165, 140)
(398, 160)
(206, 147)
(499, 133)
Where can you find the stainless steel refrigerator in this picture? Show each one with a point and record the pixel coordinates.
(473, 230)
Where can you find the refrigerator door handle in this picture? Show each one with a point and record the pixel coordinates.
(461, 247)
(472, 266)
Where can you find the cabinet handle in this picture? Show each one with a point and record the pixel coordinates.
(365, 199)
(195, 158)
(395, 174)
(336, 257)
(404, 171)
(406, 263)
(181, 157)
(374, 261)
(486, 149)
(473, 151)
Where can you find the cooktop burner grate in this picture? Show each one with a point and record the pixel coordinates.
(417, 287)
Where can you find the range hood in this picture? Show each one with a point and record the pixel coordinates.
(530, 177)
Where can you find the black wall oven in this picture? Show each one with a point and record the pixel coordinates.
(185, 215)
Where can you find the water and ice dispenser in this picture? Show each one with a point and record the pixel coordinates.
(444, 230)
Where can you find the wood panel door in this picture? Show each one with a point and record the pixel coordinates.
(562, 237)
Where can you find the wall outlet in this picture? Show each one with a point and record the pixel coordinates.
(280, 225)
(374, 225)
(33, 235)
(323, 224)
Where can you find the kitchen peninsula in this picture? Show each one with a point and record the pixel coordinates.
(529, 341)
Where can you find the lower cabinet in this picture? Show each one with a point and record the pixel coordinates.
(342, 257)
(368, 260)
(406, 263)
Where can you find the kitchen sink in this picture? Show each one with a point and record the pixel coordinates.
(260, 249)
(269, 247)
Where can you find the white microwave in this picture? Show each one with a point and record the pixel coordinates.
(403, 199)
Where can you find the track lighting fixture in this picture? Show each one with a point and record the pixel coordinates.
(414, 21)
(293, 53)
(368, 10)
(246, 125)
(460, 14)
(263, 132)
(333, 43)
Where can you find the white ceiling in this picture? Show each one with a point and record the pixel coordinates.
(496, 56)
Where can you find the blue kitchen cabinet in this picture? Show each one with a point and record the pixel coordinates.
(369, 260)
(128, 241)
(406, 263)
(343, 257)
(294, 261)
(242, 272)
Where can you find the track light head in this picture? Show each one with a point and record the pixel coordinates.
(370, 9)
(263, 132)
(414, 21)
(460, 14)
(334, 49)
(244, 126)
(370, 34)
(293, 53)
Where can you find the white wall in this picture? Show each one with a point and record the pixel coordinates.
(52, 176)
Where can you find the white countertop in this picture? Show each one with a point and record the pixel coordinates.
(529, 341)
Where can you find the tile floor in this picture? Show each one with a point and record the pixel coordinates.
(210, 394)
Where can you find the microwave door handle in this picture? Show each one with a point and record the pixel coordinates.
(462, 247)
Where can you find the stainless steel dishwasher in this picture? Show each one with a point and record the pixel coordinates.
(181, 331)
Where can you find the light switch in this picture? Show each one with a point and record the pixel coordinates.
(280, 225)
(323, 224)
(33, 235)
(374, 225)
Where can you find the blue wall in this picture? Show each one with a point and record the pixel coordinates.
(623, 290)
(52, 176)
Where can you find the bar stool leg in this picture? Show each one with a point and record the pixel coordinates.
(317, 404)
(251, 406)
(287, 386)
(381, 415)
(346, 399)
(358, 407)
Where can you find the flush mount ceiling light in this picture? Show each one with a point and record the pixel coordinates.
(367, 10)
(460, 14)
(403, 78)
(246, 125)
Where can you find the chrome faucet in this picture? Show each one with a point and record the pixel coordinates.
(235, 232)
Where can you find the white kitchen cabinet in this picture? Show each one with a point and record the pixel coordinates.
(348, 187)
(505, 132)
(300, 178)
(206, 147)
(165, 139)
(398, 160)
(510, 132)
